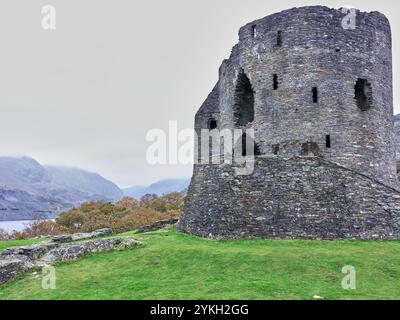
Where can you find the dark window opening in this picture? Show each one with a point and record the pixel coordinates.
(276, 83)
(310, 148)
(363, 94)
(275, 149)
(337, 49)
(212, 124)
(279, 39)
(328, 142)
(244, 101)
(254, 31)
(246, 143)
(199, 149)
(315, 94)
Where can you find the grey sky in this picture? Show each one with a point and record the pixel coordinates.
(86, 94)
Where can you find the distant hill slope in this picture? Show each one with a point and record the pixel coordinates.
(159, 188)
(28, 189)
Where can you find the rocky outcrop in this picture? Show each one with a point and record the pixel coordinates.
(158, 225)
(14, 261)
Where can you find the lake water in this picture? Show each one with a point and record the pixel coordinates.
(14, 225)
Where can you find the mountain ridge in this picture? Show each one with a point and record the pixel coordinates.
(29, 189)
(159, 188)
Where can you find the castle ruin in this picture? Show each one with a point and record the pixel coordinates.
(319, 99)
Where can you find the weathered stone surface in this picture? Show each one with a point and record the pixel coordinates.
(304, 197)
(103, 232)
(63, 238)
(75, 250)
(16, 260)
(32, 252)
(82, 236)
(158, 225)
(89, 235)
(9, 269)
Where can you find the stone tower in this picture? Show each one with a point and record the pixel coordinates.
(317, 91)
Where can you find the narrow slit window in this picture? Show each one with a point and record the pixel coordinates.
(254, 31)
(276, 83)
(279, 39)
(315, 95)
(328, 142)
(247, 143)
(275, 149)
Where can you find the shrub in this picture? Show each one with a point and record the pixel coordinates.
(125, 215)
(38, 228)
(4, 235)
(127, 203)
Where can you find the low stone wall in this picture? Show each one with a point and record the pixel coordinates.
(304, 197)
(14, 261)
(158, 225)
(10, 268)
(83, 236)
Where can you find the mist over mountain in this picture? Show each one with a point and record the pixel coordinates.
(158, 188)
(28, 189)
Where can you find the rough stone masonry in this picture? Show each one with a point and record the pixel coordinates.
(319, 99)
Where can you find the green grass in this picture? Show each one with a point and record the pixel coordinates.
(172, 265)
(16, 243)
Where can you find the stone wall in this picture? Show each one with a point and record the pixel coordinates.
(17, 260)
(158, 225)
(304, 197)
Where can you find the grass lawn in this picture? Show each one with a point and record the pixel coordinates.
(172, 265)
(17, 243)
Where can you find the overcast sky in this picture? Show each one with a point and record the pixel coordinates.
(86, 94)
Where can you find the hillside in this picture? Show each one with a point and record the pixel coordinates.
(170, 265)
(28, 189)
(158, 188)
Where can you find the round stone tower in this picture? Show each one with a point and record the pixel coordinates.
(315, 85)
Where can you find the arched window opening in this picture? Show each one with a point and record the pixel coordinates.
(363, 94)
(212, 124)
(315, 95)
(244, 101)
